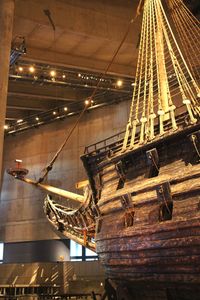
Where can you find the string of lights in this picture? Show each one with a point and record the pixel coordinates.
(41, 73)
(111, 90)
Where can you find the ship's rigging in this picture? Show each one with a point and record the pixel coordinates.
(188, 29)
(163, 80)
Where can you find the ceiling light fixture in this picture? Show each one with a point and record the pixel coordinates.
(63, 76)
(87, 102)
(119, 83)
(20, 69)
(37, 119)
(31, 69)
(65, 108)
(53, 73)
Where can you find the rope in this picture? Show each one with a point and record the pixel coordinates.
(153, 160)
(162, 74)
(49, 167)
(195, 145)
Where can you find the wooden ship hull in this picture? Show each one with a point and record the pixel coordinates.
(148, 228)
(146, 217)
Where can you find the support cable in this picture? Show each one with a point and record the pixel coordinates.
(49, 167)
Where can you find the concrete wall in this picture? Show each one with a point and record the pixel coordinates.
(21, 212)
(37, 251)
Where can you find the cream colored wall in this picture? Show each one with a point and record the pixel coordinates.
(21, 212)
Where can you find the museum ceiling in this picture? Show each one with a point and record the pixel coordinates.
(65, 47)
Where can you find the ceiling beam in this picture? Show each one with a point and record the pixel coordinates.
(11, 119)
(46, 92)
(18, 107)
(36, 96)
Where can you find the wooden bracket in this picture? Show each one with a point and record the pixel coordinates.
(127, 205)
(121, 173)
(120, 169)
(126, 201)
(165, 201)
(98, 184)
(129, 218)
(195, 140)
(153, 162)
(98, 225)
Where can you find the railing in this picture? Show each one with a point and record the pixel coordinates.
(103, 144)
(114, 142)
(26, 292)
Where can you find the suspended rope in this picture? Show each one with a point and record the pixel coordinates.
(49, 167)
(163, 80)
(188, 29)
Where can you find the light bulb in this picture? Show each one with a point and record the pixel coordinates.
(31, 69)
(119, 83)
(53, 73)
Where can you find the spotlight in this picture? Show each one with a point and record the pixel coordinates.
(31, 69)
(53, 73)
(65, 108)
(63, 76)
(88, 102)
(119, 83)
(79, 74)
(6, 126)
(37, 119)
(20, 69)
(133, 83)
(19, 121)
(54, 113)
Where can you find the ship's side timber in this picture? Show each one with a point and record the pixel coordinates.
(149, 227)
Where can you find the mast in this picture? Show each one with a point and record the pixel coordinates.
(162, 73)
